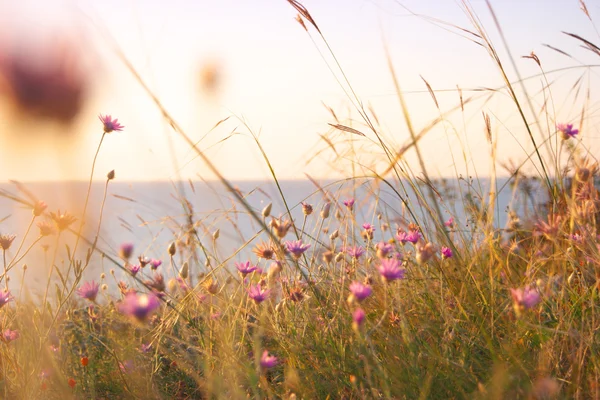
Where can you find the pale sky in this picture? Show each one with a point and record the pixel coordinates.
(273, 76)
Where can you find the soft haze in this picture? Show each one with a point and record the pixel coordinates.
(272, 76)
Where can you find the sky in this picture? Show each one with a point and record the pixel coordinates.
(274, 80)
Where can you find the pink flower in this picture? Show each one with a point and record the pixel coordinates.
(267, 361)
(245, 268)
(446, 252)
(297, 248)
(9, 335)
(349, 203)
(139, 307)
(412, 236)
(126, 250)
(110, 124)
(5, 297)
(449, 223)
(89, 290)
(134, 269)
(383, 249)
(355, 252)
(258, 294)
(390, 270)
(368, 231)
(360, 291)
(567, 131)
(525, 298)
(358, 318)
(154, 263)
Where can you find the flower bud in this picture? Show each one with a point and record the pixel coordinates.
(267, 210)
(184, 270)
(111, 175)
(172, 250)
(325, 210)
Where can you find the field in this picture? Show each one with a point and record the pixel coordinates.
(347, 294)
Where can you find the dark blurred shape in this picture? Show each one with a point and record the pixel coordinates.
(46, 82)
(210, 77)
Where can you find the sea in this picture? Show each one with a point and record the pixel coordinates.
(152, 215)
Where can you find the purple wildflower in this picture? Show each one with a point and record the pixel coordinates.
(110, 124)
(89, 290)
(360, 291)
(358, 318)
(390, 270)
(140, 306)
(134, 269)
(9, 335)
(296, 247)
(449, 223)
(383, 249)
(355, 252)
(446, 252)
(126, 250)
(526, 298)
(154, 263)
(567, 131)
(267, 361)
(349, 203)
(412, 236)
(245, 268)
(258, 294)
(5, 297)
(368, 231)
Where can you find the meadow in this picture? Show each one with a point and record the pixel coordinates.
(341, 295)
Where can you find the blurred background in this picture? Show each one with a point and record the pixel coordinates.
(61, 64)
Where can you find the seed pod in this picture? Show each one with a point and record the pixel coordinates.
(325, 210)
(172, 250)
(184, 270)
(111, 175)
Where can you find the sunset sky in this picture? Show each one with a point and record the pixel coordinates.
(273, 77)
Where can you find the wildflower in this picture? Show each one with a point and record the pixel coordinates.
(9, 335)
(110, 124)
(6, 241)
(143, 261)
(45, 228)
(258, 294)
(280, 227)
(446, 252)
(384, 249)
(368, 231)
(267, 361)
(449, 223)
(134, 269)
(567, 131)
(390, 270)
(89, 290)
(39, 207)
(524, 299)
(265, 251)
(307, 209)
(424, 253)
(144, 348)
(296, 294)
(71, 383)
(296, 247)
(358, 318)
(211, 286)
(139, 307)
(245, 268)
(62, 221)
(355, 252)
(126, 250)
(360, 291)
(5, 297)
(550, 229)
(349, 203)
(157, 283)
(411, 236)
(154, 263)
(84, 361)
